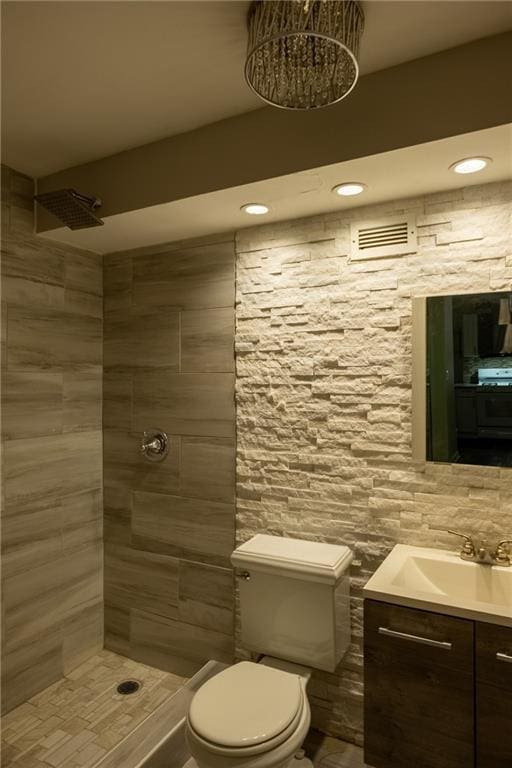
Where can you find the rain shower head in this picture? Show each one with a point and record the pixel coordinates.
(76, 211)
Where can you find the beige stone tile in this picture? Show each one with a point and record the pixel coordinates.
(31, 536)
(24, 292)
(207, 341)
(9, 753)
(59, 755)
(37, 470)
(117, 281)
(82, 635)
(5, 220)
(117, 514)
(83, 582)
(121, 451)
(32, 259)
(155, 338)
(74, 725)
(150, 732)
(83, 303)
(28, 669)
(186, 528)
(31, 404)
(192, 278)
(51, 466)
(11, 720)
(47, 339)
(82, 400)
(208, 468)
(5, 176)
(138, 579)
(117, 339)
(30, 759)
(117, 628)
(90, 754)
(158, 477)
(176, 646)
(84, 272)
(82, 519)
(126, 467)
(3, 334)
(120, 459)
(117, 400)
(186, 404)
(35, 732)
(32, 603)
(206, 596)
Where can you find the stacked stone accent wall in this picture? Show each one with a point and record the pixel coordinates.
(324, 395)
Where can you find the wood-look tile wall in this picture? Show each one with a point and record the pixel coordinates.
(169, 527)
(52, 587)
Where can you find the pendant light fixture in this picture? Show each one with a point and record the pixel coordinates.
(302, 54)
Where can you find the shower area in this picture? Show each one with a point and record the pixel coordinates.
(118, 467)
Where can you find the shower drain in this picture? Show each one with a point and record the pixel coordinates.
(128, 686)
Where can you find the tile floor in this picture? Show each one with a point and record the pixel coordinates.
(326, 752)
(80, 718)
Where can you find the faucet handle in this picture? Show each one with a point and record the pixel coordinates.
(468, 547)
(502, 555)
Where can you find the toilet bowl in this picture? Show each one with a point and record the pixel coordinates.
(294, 610)
(249, 716)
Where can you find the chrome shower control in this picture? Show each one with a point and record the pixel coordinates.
(155, 445)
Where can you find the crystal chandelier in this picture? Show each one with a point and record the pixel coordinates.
(302, 54)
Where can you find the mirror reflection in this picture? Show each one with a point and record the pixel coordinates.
(469, 379)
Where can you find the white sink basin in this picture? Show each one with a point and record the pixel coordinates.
(440, 581)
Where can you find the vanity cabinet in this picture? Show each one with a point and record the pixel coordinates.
(419, 688)
(438, 690)
(493, 671)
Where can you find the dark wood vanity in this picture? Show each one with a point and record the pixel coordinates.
(438, 690)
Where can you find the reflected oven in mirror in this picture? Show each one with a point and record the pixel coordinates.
(468, 378)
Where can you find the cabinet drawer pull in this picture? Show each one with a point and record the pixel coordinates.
(416, 638)
(504, 657)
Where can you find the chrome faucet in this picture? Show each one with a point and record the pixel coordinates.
(501, 555)
(154, 445)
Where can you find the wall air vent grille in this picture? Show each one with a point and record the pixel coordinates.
(377, 239)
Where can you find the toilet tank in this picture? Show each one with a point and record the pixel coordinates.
(294, 599)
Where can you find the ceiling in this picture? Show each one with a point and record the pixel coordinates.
(407, 172)
(83, 80)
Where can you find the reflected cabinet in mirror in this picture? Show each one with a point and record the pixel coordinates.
(462, 378)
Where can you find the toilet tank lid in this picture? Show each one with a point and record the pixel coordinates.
(307, 560)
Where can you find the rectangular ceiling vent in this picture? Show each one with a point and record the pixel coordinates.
(377, 239)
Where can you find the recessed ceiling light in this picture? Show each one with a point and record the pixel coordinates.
(255, 209)
(349, 188)
(470, 164)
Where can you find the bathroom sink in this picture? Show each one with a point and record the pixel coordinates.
(440, 581)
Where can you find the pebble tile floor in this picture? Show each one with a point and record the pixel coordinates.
(80, 718)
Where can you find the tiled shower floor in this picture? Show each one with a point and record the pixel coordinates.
(81, 721)
(76, 721)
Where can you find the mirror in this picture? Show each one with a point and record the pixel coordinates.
(463, 371)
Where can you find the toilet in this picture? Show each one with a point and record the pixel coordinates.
(295, 617)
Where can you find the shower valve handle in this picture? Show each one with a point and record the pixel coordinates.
(152, 446)
(155, 445)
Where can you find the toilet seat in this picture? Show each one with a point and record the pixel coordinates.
(247, 709)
